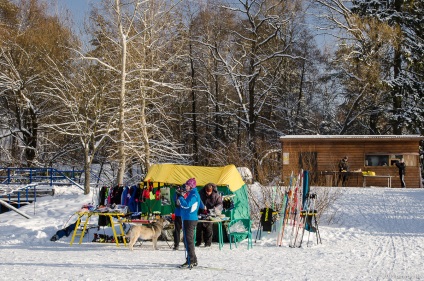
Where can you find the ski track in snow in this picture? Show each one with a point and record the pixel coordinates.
(390, 226)
(378, 234)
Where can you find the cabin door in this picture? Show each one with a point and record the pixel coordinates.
(308, 162)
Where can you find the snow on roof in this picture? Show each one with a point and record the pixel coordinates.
(333, 137)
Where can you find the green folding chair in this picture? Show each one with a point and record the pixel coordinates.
(238, 230)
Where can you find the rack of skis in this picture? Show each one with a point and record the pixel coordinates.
(298, 212)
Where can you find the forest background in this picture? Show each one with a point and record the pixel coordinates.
(202, 82)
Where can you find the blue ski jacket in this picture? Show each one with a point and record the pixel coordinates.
(177, 211)
(190, 205)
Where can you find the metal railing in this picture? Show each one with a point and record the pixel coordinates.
(14, 198)
(48, 176)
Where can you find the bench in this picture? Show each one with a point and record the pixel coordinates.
(389, 179)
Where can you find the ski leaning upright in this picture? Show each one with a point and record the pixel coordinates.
(308, 220)
(283, 212)
(298, 212)
(287, 216)
(296, 209)
(311, 223)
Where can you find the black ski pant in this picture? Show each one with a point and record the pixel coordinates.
(177, 231)
(188, 232)
(204, 231)
(342, 178)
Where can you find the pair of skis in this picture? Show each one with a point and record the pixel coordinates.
(309, 219)
(306, 222)
(290, 211)
(298, 212)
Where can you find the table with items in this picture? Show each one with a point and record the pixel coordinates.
(218, 220)
(116, 213)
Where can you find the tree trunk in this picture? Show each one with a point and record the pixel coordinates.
(144, 133)
(397, 91)
(121, 123)
(193, 109)
(373, 119)
(30, 135)
(300, 97)
(251, 124)
(87, 168)
(397, 94)
(87, 176)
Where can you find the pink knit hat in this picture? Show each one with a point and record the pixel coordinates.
(191, 182)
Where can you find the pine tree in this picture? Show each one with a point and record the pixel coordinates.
(406, 83)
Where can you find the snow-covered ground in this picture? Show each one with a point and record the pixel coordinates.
(376, 234)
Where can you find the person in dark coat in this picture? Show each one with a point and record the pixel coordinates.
(212, 200)
(177, 221)
(401, 166)
(343, 170)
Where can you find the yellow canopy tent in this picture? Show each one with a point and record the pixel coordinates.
(227, 178)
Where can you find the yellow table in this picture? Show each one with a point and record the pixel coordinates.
(119, 216)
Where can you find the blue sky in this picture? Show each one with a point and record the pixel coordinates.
(78, 8)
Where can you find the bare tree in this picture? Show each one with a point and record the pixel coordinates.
(252, 59)
(156, 53)
(82, 110)
(134, 46)
(28, 35)
(114, 32)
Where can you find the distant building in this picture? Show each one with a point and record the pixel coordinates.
(320, 154)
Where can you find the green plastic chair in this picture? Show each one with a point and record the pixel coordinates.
(240, 234)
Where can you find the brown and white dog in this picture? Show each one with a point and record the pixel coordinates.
(151, 232)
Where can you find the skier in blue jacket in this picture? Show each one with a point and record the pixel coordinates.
(190, 203)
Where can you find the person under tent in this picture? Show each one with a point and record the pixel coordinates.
(213, 202)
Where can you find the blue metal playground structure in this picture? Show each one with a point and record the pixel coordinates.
(48, 176)
(21, 186)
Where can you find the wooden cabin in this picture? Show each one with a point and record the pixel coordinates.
(371, 159)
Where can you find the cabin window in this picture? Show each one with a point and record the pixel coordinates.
(286, 158)
(381, 159)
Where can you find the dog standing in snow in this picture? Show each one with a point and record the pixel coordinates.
(143, 232)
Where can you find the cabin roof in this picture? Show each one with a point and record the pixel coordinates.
(352, 137)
